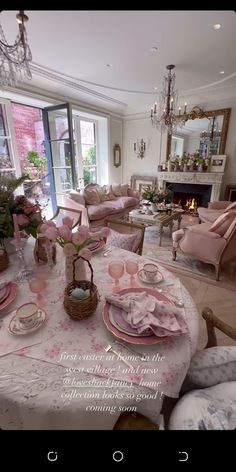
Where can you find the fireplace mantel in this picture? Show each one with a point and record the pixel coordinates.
(207, 178)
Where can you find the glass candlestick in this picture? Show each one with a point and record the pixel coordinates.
(24, 273)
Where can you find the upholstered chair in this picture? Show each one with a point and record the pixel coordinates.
(210, 403)
(215, 209)
(214, 244)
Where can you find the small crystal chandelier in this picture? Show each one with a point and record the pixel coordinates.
(166, 117)
(15, 58)
(213, 131)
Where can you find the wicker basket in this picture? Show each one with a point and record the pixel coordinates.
(4, 259)
(79, 309)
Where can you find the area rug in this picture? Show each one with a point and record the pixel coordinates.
(185, 265)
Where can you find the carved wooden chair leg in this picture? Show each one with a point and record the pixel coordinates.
(174, 253)
(213, 322)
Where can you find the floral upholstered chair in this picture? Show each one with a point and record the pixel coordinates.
(211, 405)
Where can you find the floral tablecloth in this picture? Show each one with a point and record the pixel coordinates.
(68, 381)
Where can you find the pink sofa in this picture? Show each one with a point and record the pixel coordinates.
(98, 203)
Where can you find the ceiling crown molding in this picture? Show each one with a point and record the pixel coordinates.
(60, 78)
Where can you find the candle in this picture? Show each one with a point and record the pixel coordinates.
(134, 146)
(179, 110)
(16, 228)
(155, 108)
(185, 107)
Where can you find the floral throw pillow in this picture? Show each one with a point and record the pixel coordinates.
(213, 366)
(130, 242)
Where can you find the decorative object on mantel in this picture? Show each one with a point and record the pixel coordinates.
(4, 259)
(81, 297)
(140, 148)
(166, 118)
(117, 155)
(189, 163)
(218, 163)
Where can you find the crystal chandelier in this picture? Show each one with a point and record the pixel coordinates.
(166, 117)
(15, 58)
(213, 131)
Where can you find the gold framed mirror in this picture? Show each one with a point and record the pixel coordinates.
(117, 155)
(202, 130)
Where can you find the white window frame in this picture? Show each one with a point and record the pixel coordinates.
(11, 140)
(78, 148)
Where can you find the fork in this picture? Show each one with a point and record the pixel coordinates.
(141, 356)
(110, 348)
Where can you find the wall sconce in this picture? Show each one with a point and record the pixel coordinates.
(140, 148)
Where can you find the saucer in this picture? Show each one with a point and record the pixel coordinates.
(17, 328)
(158, 278)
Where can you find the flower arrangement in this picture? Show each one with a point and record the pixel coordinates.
(153, 195)
(28, 214)
(72, 242)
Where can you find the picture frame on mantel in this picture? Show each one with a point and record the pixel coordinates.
(117, 155)
(218, 162)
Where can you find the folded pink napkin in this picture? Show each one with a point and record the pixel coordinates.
(145, 312)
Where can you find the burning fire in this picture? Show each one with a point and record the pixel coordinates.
(191, 204)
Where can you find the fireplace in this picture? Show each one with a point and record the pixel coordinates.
(184, 194)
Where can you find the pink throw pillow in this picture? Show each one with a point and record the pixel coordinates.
(91, 196)
(223, 222)
(232, 206)
(116, 190)
(130, 242)
(124, 190)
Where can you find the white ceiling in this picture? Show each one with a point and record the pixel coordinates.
(71, 49)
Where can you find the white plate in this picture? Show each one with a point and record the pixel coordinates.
(16, 328)
(158, 278)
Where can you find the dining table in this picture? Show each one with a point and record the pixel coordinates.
(65, 375)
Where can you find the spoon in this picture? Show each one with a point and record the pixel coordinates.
(177, 301)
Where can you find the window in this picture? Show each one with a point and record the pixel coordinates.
(88, 151)
(6, 161)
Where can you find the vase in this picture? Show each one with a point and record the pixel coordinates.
(44, 252)
(185, 168)
(153, 207)
(200, 168)
(191, 168)
(80, 269)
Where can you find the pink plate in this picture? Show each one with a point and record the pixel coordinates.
(148, 340)
(11, 296)
(97, 248)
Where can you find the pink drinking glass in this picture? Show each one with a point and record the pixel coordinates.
(116, 270)
(131, 268)
(37, 285)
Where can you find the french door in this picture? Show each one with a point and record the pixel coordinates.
(60, 150)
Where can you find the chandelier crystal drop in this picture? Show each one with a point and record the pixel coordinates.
(15, 58)
(165, 116)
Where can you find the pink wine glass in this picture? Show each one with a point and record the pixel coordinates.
(116, 269)
(37, 285)
(132, 268)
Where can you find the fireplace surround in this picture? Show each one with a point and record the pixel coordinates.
(206, 184)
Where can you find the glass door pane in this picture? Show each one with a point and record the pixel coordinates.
(59, 144)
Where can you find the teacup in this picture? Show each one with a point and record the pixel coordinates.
(27, 314)
(150, 271)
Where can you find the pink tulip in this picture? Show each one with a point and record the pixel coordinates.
(65, 232)
(43, 228)
(86, 253)
(68, 221)
(28, 209)
(84, 232)
(105, 232)
(22, 220)
(76, 238)
(52, 234)
(51, 223)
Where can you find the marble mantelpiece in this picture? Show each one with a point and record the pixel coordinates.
(195, 178)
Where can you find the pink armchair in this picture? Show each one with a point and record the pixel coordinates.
(215, 209)
(207, 246)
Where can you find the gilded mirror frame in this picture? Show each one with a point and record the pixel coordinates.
(197, 112)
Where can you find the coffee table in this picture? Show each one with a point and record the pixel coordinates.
(160, 219)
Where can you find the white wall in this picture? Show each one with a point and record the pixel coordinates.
(155, 148)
